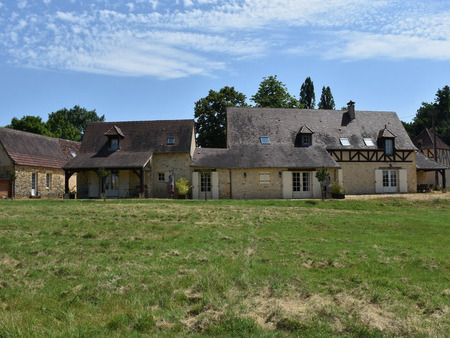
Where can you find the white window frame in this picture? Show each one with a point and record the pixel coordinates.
(306, 140)
(115, 144)
(264, 178)
(389, 147)
(48, 181)
(170, 140)
(368, 142)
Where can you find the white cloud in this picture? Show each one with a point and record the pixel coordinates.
(201, 36)
(21, 4)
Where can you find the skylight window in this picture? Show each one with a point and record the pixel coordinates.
(369, 142)
(74, 154)
(264, 140)
(171, 140)
(344, 141)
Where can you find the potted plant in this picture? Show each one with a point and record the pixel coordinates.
(337, 190)
(183, 186)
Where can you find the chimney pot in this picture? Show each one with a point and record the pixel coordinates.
(351, 109)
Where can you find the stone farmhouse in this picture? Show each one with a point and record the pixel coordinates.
(275, 153)
(425, 143)
(140, 157)
(31, 165)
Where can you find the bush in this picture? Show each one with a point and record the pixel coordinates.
(183, 186)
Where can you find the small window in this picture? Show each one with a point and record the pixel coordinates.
(264, 140)
(388, 148)
(368, 142)
(48, 181)
(161, 177)
(114, 144)
(171, 140)
(264, 178)
(306, 140)
(344, 141)
(74, 154)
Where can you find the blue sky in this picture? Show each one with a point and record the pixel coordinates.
(152, 59)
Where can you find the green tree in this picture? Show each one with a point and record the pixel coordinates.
(322, 175)
(326, 99)
(32, 124)
(424, 117)
(273, 94)
(77, 119)
(211, 118)
(307, 96)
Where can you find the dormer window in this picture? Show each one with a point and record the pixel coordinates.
(344, 141)
(114, 144)
(171, 140)
(388, 146)
(114, 135)
(264, 140)
(304, 137)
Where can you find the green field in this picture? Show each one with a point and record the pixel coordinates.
(238, 268)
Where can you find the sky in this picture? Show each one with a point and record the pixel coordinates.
(153, 59)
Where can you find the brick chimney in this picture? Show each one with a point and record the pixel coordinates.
(351, 110)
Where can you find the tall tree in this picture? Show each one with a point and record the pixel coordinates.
(273, 94)
(77, 118)
(307, 96)
(32, 124)
(326, 99)
(424, 117)
(210, 116)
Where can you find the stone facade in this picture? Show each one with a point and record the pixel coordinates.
(56, 186)
(164, 165)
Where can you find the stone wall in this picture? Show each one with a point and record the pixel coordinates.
(23, 182)
(177, 164)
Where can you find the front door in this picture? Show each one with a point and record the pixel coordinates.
(112, 185)
(205, 186)
(301, 185)
(33, 184)
(94, 185)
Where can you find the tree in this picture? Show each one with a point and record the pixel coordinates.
(210, 116)
(273, 94)
(322, 175)
(77, 120)
(32, 124)
(424, 117)
(326, 99)
(307, 96)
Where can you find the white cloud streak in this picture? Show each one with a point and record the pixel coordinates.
(201, 37)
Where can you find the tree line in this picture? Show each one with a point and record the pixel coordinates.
(210, 111)
(68, 124)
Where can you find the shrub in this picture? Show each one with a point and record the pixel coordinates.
(183, 186)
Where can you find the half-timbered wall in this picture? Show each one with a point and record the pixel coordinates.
(443, 157)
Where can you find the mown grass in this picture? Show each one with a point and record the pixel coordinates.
(239, 268)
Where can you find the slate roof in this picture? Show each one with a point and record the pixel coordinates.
(427, 164)
(425, 140)
(140, 140)
(246, 125)
(30, 149)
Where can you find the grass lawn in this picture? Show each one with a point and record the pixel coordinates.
(240, 268)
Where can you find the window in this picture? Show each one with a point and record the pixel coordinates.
(114, 144)
(306, 185)
(306, 140)
(389, 178)
(344, 141)
(48, 181)
(388, 147)
(368, 142)
(264, 178)
(112, 182)
(296, 184)
(74, 154)
(171, 140)
(161, 177)
(264, 140)
(205, 183)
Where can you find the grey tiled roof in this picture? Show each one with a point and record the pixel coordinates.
(425, 140)
(425, 163)
(246, 125)
(140, 140)
(36, 150)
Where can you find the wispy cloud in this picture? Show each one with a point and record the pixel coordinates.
(186, 37)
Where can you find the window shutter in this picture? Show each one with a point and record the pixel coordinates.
(403, 179)
(317, 191)
(215, 185)
(340, 177)
(195, 187)
(378, 181)
(287, 184)
(166, 176)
